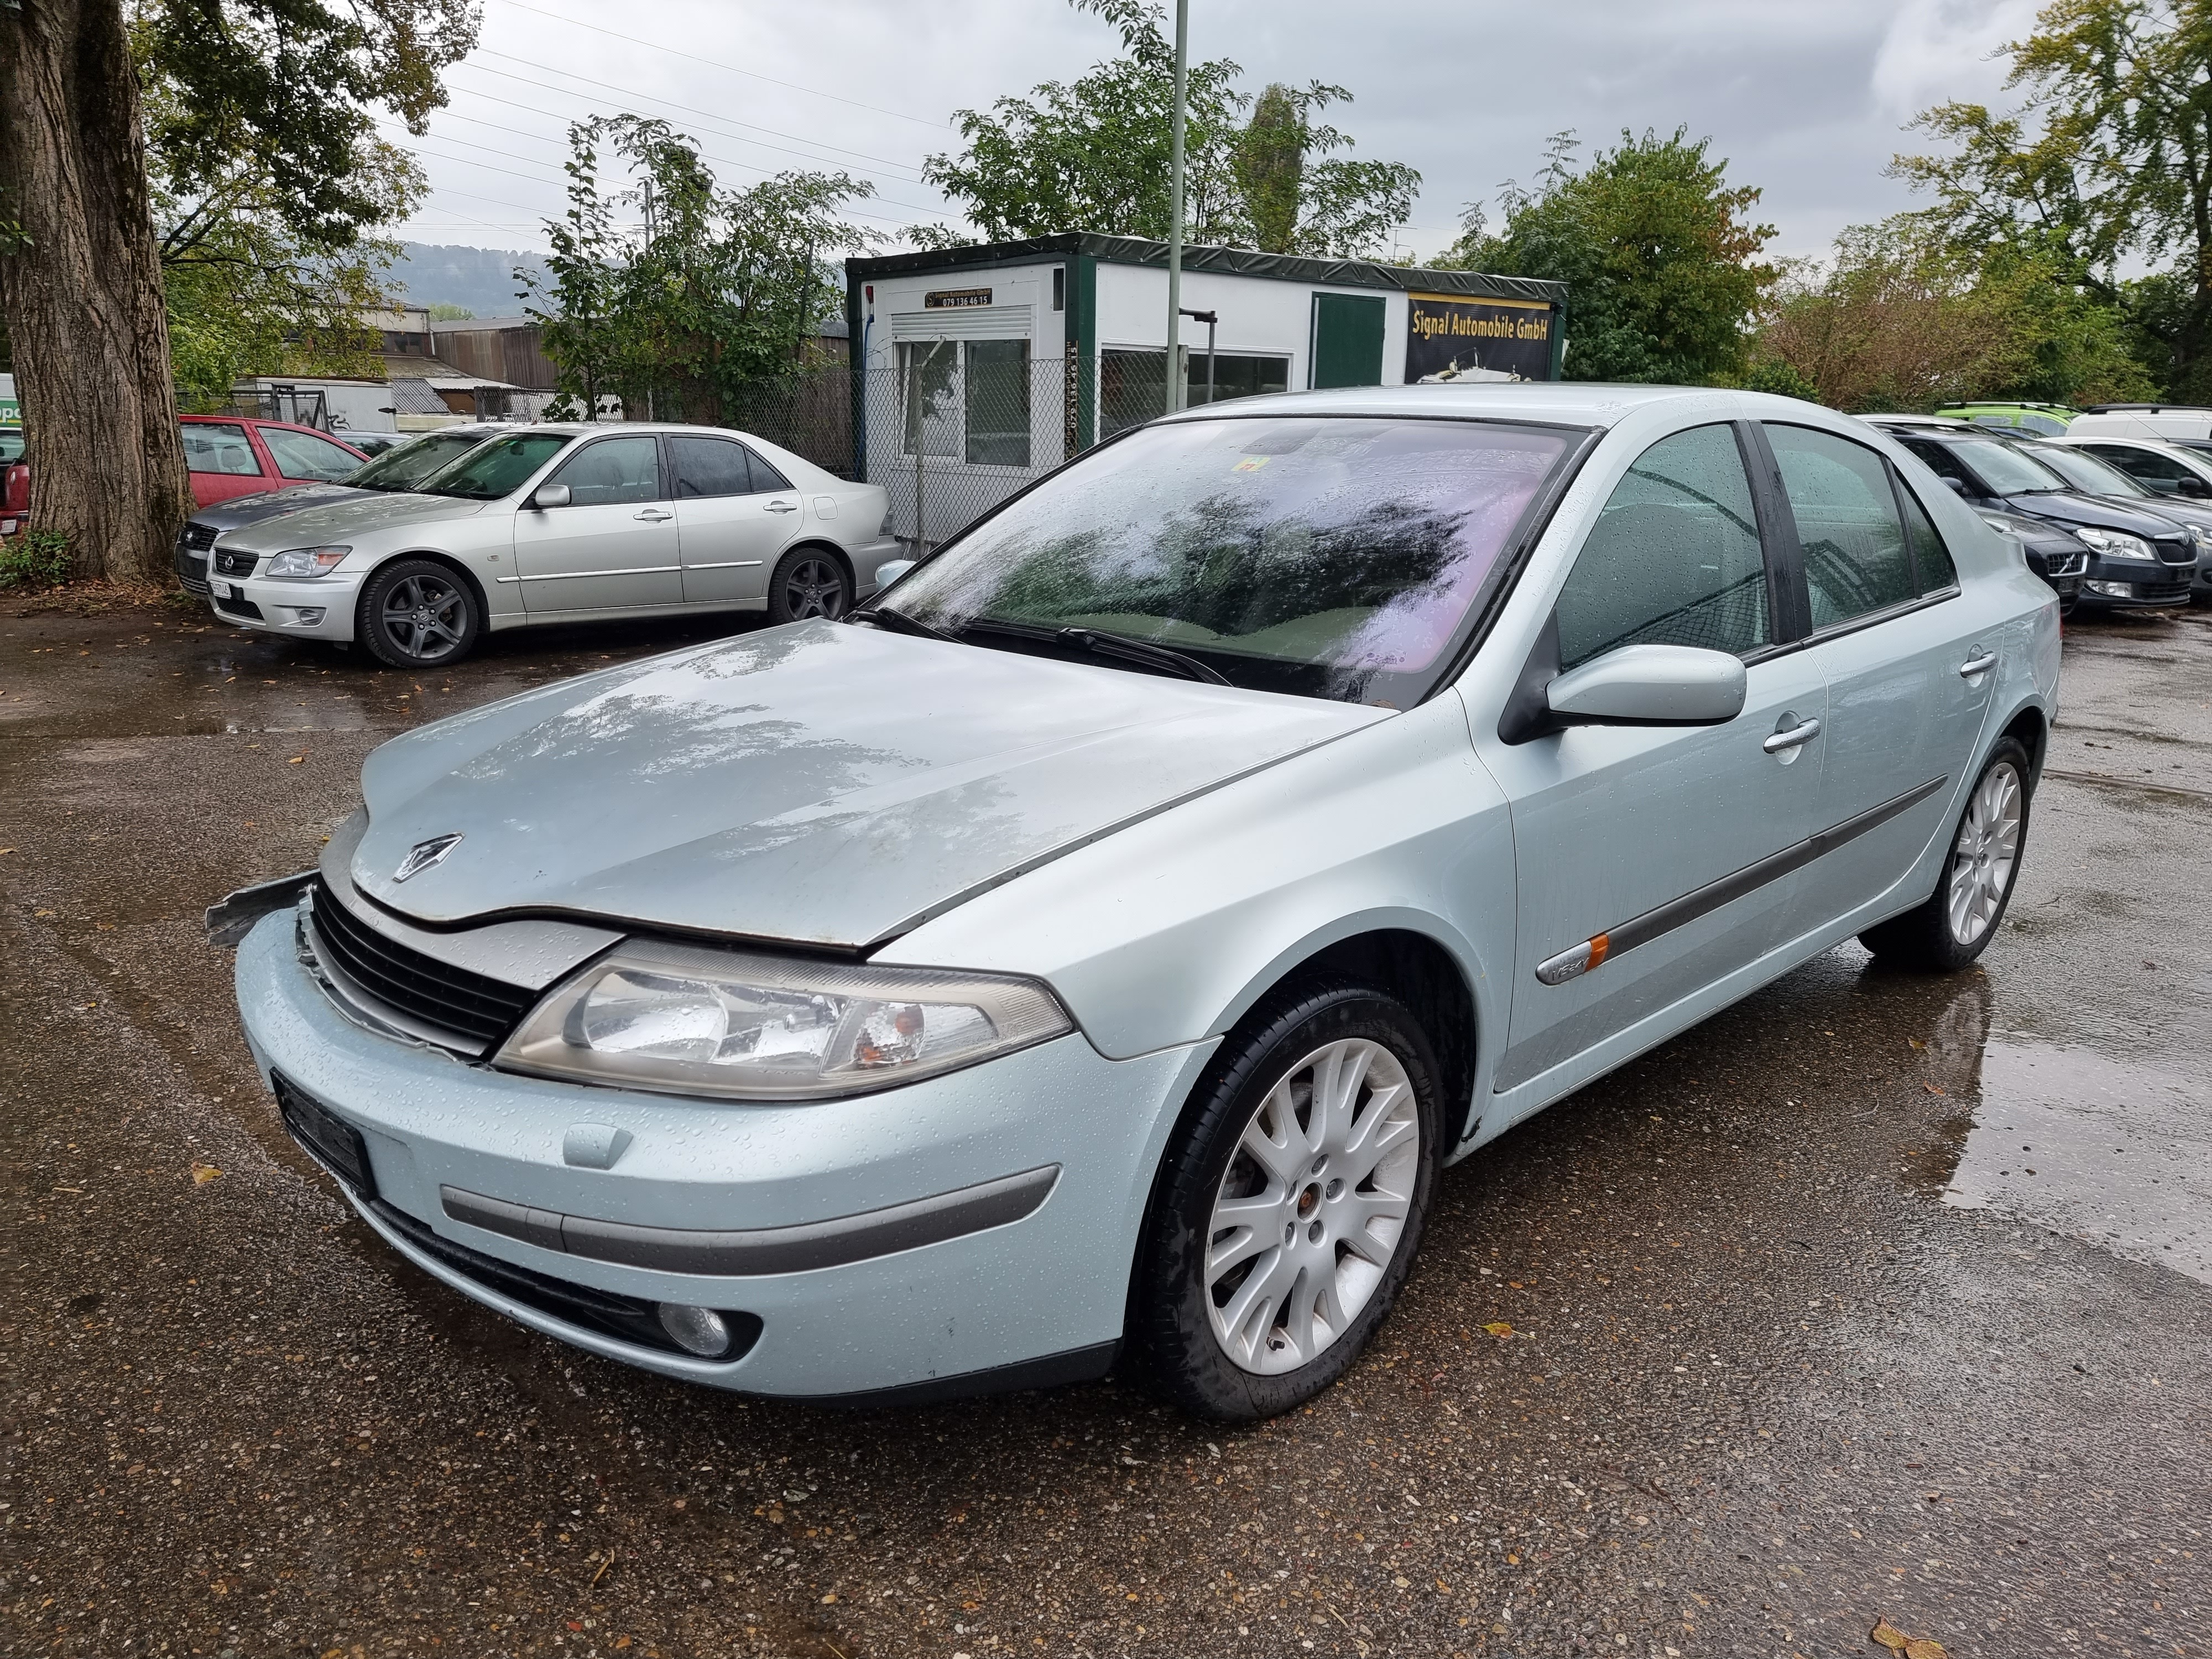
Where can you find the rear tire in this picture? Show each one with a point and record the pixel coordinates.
(809, 582)
(418, 613)
(1955, 923)
(1276, 1243)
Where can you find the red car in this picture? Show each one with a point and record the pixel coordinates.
(228, 455)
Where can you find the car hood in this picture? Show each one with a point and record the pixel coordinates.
(242, 510)
(2064, 507)
(358, 513)
(819, 783)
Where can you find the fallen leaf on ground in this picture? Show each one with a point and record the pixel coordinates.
(204, 1173)
(1923, 1647)
(1931, 1088)
(1885, 1633)
(296, 760)
(1498, 1327)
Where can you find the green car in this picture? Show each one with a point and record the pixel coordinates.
(2044, 420)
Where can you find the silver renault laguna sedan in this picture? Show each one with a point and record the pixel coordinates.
(1092, 951)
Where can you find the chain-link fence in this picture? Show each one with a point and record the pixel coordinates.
(809, 415)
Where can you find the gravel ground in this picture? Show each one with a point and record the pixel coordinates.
(1766, 1336)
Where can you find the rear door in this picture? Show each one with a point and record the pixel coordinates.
(732, 520)
(222, 461)
(613, 547)
(1670, 842)
(1908, 674)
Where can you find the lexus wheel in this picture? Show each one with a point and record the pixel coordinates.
(1956, 922)
(1289, 1205)
(417, 613)
(808, 581)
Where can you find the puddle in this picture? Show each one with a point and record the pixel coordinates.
(2113, 1151)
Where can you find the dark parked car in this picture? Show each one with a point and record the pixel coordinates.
(2057, 555)
(2093, 475)
(2138, 559)
(396, 470)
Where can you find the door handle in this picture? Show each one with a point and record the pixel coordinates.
(1980, 664)
(1796, 737)
(652, 515)
(779, 506)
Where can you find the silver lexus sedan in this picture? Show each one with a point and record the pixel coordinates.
(1091, 952)
(553, 524)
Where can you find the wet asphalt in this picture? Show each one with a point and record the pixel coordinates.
(1875, 1297)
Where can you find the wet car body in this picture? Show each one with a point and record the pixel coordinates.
(1135, 855)
(2058, 557)
(2141, 559)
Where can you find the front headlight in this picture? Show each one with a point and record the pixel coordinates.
(302, 561)
(2116, 543)
(691, 1021)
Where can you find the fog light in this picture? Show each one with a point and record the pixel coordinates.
(696, 1330)
(307, 616)
(2112, 590)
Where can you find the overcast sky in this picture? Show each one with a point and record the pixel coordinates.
(1805, 99)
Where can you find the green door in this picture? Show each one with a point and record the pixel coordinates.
(1348, 340)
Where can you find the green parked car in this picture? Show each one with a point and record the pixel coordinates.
(2044, 420)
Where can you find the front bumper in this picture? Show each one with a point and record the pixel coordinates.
(2135, 584)
(321, 608)
(1011, 1298)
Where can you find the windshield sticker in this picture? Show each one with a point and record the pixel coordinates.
(1251, 463)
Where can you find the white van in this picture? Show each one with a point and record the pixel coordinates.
(2176, 422)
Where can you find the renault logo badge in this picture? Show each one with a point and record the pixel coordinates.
(424, 854)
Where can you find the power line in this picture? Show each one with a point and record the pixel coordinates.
(793, 86)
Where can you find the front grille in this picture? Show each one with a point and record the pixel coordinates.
(229, 606)
(478, 1010)
(2175, 551)
(197, 537)
(192, 573)
(627, 1318)
(230, 563)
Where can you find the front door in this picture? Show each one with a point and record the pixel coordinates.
(1671, 844)
(613, 547)
(732, 520)
(1896, 640)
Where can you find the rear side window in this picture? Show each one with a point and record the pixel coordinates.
(2151, 467)
(1855, 560)
(710, 466)
(766, 478)
(1674, 558)
(218, 447)
(304, 455)
(613, 472)
(1931, 560)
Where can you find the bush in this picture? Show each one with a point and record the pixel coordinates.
(37, 558)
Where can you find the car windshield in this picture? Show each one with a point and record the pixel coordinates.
(1323, 556)
(2009, 470)
(2088, 474)
(498, 468)
(406, 466)
(11, 443)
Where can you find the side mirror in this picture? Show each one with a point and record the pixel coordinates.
(2194, 488)
(1957, 486)
(1650, 685)
(550, 494)
(890, 570)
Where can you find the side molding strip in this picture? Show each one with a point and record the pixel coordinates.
(736, 1254)
(1579, 959)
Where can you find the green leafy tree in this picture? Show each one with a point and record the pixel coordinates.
(1094, 153)
(1657, 250)
(2108, 159)
(721, 291)
(275, 99)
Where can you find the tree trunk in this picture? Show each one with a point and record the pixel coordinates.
(84, 299)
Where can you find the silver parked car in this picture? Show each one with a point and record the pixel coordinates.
(1096, 948)
(557, 524)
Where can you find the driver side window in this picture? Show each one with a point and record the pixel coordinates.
(1674, 558)
(613, 471)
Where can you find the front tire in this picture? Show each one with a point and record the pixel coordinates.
(1956, 922)
(809, 582)
(1290, 1204)
(418, 613)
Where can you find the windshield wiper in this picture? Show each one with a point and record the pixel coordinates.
(1143, 651)
(897, 621)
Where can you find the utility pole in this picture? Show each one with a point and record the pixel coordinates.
(1175, 207)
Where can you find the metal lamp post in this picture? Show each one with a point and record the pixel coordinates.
(1175, 389)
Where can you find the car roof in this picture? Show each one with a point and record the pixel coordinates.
(1577, 403)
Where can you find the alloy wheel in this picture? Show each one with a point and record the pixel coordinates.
(814, 587)
(1982, 858)
(1312, 1206)
(424, 617)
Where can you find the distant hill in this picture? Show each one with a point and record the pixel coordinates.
(482, 279)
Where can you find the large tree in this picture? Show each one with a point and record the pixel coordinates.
(289, 84)
(1658, 252)
(2108, 160)
(1094, 155)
